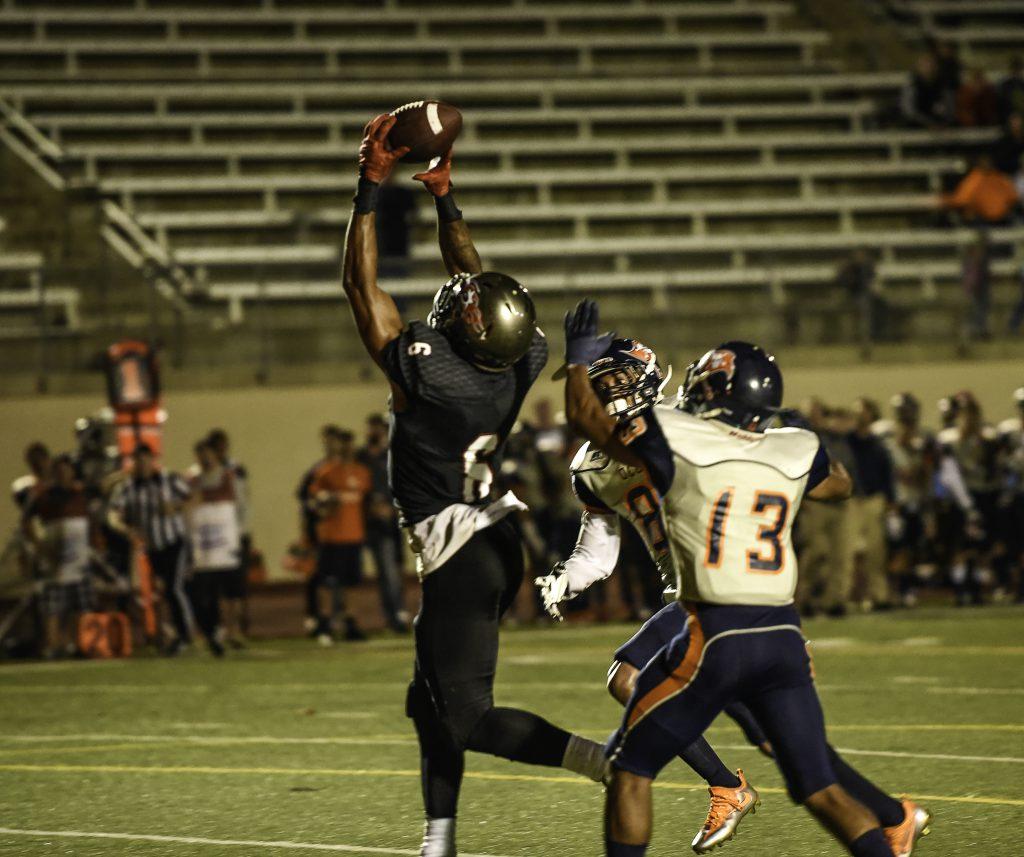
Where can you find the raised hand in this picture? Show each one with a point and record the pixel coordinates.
(437, 178)
(376, 159)
(582, 344)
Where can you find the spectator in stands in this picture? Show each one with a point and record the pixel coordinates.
(976, 102)
(337, 494)
(148, 507)
(925, 101)
(236, 590)
(1008, 150)
(948, 66)
(984, 195)
(383, 536)
(857, 277)
(25, 488)
(1010, 92)
(976, 277)
(56, 521)
(214, 537)
(873, 496)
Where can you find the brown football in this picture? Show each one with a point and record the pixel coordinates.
(428, 128)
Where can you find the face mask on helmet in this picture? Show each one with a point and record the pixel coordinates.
(488, 318)
(627, 379)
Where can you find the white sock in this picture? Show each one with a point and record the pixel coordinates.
(438, 838)
(586, 758)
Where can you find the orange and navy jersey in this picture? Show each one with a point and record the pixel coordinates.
(348, 483)
(723, 525)
(608, 487)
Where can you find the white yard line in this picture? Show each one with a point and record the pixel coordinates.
(202, 840)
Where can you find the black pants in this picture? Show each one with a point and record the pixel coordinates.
(169, 564)
(451, 697)
(207, 589)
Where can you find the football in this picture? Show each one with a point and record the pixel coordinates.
(428, 128)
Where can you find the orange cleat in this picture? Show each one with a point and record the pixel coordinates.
(728, 809)
(903, 837)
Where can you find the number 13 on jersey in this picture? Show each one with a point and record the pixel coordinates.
(765, 553)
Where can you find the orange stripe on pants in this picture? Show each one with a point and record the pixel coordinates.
(677, 679)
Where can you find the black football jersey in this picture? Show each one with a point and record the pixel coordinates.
(448, 442)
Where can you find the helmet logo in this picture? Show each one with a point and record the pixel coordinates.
(721, 361)
(469, 296)
(641, 352)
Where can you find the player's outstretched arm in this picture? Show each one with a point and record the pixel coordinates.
(583, 409)
(374, 310)
(457, 248)
(593, 558)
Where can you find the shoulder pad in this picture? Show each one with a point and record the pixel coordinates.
(1010, 426)
(949, 435)
(588, 460)
(988, 432)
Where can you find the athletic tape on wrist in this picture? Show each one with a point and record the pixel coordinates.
(447, 210)
(365, 199)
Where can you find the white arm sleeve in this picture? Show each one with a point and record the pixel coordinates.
(596, 551)
(953, 481)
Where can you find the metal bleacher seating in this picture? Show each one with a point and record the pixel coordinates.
(988, 32)
(637, 144)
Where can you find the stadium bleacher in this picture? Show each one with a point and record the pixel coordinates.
(668, 145)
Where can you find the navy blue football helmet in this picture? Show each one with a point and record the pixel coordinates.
(737, 383)
(627, 379)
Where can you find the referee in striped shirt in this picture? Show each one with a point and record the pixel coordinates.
(148, 506)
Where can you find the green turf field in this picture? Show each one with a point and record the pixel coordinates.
(288, 748)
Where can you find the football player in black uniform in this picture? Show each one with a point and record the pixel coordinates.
(457, 383)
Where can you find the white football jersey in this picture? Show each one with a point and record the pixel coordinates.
(723, 528)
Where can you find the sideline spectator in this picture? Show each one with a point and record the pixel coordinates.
(56, 521)
(1011, 434)
(857, 277)
(1010, 92)
(913, 454)
(383, 536)
(236, 589)
(977, 102)
(148, 506)
(214, 537)
(984, 195)
(25, 488)
(308, 520)
(337, 495)
(976, 448)
(872, 497)
(976, 277)
(925, 101)
(1017, 316)
(824, 531)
